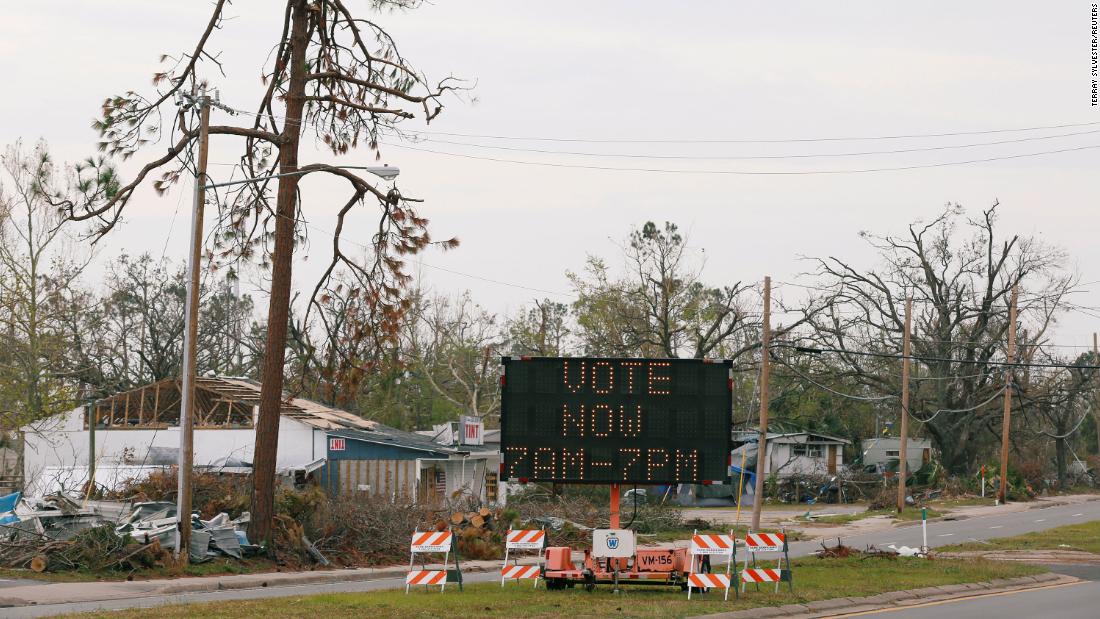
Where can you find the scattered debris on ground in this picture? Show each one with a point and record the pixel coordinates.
(840, 551)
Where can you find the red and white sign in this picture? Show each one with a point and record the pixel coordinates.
(702, 544)
(473, 430)
(337, 444)
(518, 572)
(761, 575)
(765, 542)
(526, 539)
(432, 541)
(709, 581)
(426, 577)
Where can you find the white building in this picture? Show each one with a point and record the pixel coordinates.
(884, 453)
(795, 453)
(137, 432)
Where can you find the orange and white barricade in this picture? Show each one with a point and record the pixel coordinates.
(764, 543)
(703, 547)
(432, 542)
(519, 540)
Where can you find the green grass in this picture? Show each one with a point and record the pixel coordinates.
(1084, 536)
(215, 567)
(814, 579)
(910, 513)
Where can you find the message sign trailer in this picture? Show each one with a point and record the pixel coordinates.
(597, 420)
(767, 543)
(433, 542)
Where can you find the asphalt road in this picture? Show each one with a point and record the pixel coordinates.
(1074, 601)
(946, 532)
(939, 533)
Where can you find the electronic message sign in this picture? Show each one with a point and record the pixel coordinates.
(598, 420)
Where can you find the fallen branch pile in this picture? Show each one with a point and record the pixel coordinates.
(95, 549)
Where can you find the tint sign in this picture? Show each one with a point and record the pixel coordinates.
(602, 420)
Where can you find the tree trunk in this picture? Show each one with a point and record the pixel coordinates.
(271, 391)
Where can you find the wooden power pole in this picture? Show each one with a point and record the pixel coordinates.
(765, 372)
(902, 453)
(190, 340)
(1006, 423)
(1096, 392)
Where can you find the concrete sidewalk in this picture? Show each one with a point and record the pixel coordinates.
(48, 593)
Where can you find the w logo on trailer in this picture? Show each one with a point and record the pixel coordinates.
(703, 547)
(522, 539)
(432, 542)
(766, 543)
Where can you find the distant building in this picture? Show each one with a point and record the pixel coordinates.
(883, 453)
(480, 470)
(792, 453)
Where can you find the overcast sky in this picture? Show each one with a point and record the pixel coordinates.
(640, 70)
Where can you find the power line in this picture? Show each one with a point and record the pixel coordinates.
(452, 271)
(817, 350)
(760, 157)
(959, 410)
(830, 389)
(746, 172)
(750, 141)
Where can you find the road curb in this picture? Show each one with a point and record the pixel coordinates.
(159, 588)
(896, 599)
(296, 578)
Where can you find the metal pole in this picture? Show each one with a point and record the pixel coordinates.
(1006, 423)
(190, 342)
(902, 453)
(765, 371)
(90, 413)
(614, 506)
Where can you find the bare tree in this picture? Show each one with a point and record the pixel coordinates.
(543, 330)
(960, 273)
(331, 73)
(661, 308)
(36, 268)
(1054, 403)
(454, 345)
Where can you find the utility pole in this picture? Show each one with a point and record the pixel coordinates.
(902, 453)
(1007, 421)
(190, 339)
(1096, 392)
(765, 372)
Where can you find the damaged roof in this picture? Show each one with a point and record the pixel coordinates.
(307, 411)
(145, 404)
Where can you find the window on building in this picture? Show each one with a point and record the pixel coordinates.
(893, 453)
(809, 451)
